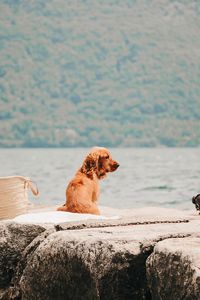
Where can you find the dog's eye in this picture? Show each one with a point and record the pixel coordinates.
(107, 157)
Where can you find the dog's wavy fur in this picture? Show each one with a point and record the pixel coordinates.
(83, 190)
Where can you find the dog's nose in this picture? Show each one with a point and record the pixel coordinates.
(116, 165)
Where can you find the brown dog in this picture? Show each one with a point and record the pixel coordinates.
(83, 190)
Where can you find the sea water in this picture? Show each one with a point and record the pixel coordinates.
(165, 177)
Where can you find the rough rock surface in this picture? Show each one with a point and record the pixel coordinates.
(14, 238)
(106, 262)
(96, 263)
(85, 266)
(173, 269)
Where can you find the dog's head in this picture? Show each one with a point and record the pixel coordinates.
(196, 201)
(99, 162)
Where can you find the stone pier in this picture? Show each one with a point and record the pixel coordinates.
(150, 253)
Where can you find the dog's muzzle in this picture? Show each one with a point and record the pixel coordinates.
(115, 166)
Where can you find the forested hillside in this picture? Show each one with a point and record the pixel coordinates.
(115, 73)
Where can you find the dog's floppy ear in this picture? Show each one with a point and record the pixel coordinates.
(195, 198)
(101, 169)
(90, 165)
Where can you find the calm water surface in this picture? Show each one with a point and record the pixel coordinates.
(146, 177)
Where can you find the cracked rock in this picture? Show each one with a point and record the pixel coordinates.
(173, 269)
